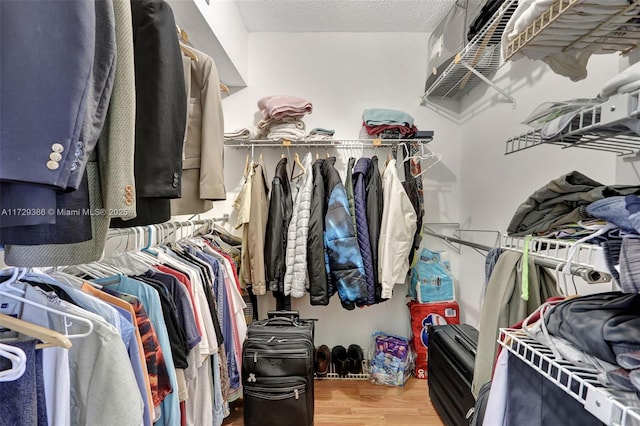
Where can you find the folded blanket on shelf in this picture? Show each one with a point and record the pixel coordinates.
(379, 116)
(294, 131)
(277, 107)
(321, 131)
(551, 45)
(405, 131)
(317, 137)
(625, 82)
(246, 133)
(265, 124)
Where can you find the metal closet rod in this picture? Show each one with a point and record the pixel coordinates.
(590, 275)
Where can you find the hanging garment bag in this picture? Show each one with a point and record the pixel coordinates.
(277, 371)
(452, 353)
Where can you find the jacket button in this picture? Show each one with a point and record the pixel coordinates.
(54, 156)
(174, 184)
(176, 175)
(52, 165)
(56, 147)
(128, 188)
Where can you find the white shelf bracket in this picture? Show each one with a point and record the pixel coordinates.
(490, 83)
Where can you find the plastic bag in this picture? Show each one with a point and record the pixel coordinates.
(430, 279)
(391, 362)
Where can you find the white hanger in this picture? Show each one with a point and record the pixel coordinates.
(65, 315)
(18, 362)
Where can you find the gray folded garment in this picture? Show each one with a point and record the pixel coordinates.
(634, 377)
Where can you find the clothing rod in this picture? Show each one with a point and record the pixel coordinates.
(590, 275)
(114, 232)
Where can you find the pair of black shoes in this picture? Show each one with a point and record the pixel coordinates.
(347, 360)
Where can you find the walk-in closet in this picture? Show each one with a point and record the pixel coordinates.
(319, 212)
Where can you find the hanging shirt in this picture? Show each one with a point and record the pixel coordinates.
(151, 301)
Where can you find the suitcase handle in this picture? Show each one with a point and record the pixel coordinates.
(465, 345)
(294, 315)
(281, 320)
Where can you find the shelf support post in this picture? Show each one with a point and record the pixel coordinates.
(490, 83)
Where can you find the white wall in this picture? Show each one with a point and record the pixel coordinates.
(342, 74)
(493, 185)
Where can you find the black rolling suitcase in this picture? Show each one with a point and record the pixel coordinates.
(277, 371)
(452, 354)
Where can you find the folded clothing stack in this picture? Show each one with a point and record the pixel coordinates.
(244, 134)
(319, 134)
(292, 130)
(388, 123)
(282, 117)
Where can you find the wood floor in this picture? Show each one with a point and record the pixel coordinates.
(360, 403)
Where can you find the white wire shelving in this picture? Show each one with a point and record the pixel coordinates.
(476, 62)
(602, 127)
(335, 143)
(589, 257)
(579, 382)
(569, 25)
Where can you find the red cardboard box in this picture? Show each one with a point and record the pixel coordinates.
(423, 315)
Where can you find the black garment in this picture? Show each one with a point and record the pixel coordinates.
(410, 186)
(275, 241)
(316, 266)
(177, 335)
(534, 400)
(373, 183)
(62, 295)
(603, 325)
(161, 111)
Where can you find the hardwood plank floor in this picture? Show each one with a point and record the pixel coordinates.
(360, 403)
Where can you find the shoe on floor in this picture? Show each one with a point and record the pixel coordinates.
(340, 361)
(354, 359)
(323, 359)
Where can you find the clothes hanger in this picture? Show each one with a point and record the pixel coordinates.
(188, 52)
(223, 88)
(296, 161)
(18, 362)
(65, 315)
(49, 337)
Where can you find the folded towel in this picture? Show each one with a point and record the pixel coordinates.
(321, 131)
(403, 129)
(317, 137)
(266, 123)
(378, 116)
(622, 82)
(246, 133)
(292, 134)
(284, 106)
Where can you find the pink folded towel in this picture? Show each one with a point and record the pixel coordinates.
(277, 107)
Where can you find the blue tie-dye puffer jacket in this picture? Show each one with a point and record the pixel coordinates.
(343, 258)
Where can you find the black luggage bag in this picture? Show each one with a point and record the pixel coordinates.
(452, 353)
(277, 371)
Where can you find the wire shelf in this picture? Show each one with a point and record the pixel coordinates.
(336, 143)
(588, 256)
(579, 382)
(477, 61)
(616, 30)
(332, 375)
(600, 127)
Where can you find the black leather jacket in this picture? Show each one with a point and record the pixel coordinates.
(316, 267)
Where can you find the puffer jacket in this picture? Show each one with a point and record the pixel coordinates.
(373, 183)
(348, 185)
(344, 261)
(280, 210)
(316, 267)
(362, 228)
(295, 278)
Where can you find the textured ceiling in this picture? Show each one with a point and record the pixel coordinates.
(343, 15)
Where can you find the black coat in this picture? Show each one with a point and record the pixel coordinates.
(161, 111)
(316, 267)
(373, 183)
(275, 242)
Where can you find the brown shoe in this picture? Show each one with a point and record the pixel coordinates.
(323, 359)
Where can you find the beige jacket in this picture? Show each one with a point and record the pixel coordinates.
(253, 271)
(202, 158)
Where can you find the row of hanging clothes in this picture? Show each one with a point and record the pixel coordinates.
(151, 336)
(311, 232)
